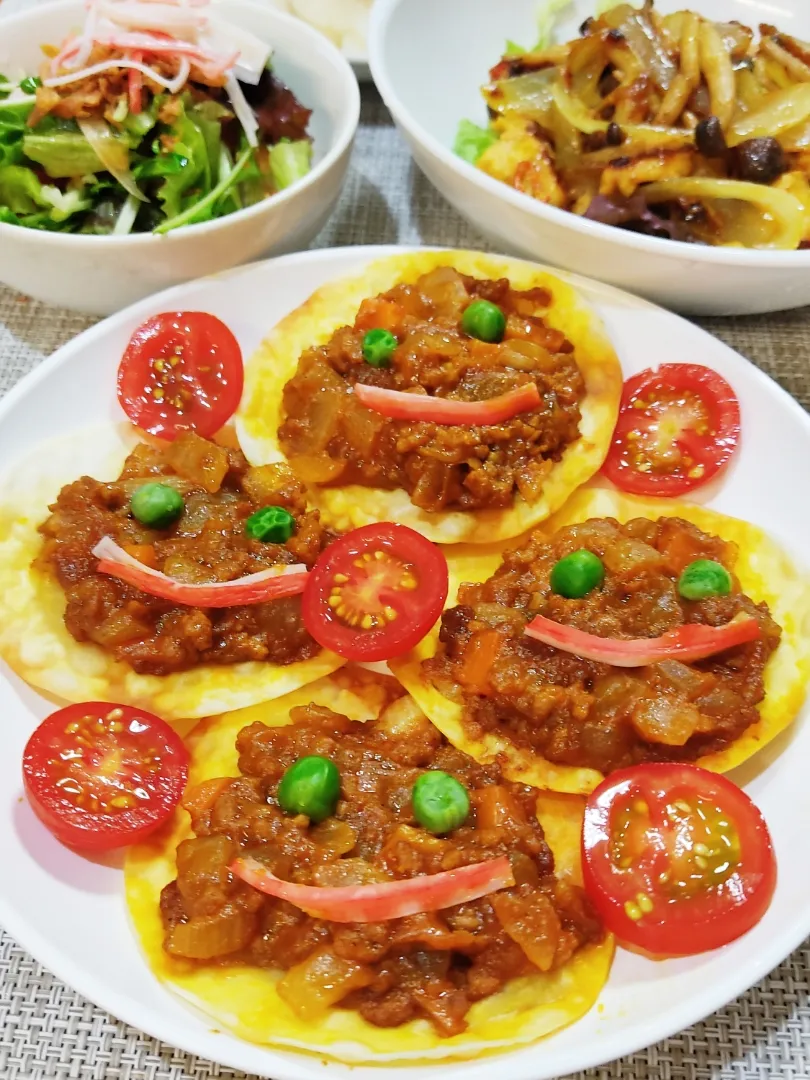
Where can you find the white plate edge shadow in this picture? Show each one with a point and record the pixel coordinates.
(230, 1051)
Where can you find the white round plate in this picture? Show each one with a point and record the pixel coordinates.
(70, 913)
(357, 55)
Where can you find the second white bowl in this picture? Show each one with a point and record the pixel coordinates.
(429, 60)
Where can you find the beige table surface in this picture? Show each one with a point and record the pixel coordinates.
(46, 1030)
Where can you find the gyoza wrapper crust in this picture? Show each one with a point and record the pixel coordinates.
(244, 999)
(37, 645)
(765, 573)
(336, 304)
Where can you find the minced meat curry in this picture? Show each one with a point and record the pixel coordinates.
(207, 543)
(330, 438)
(433, 965)
(583, 713)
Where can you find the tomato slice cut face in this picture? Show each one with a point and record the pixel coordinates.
(100, 776)
(677, 860)
(374, 593)
(182, 371)
(677, 427)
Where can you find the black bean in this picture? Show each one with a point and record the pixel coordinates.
(455, 623)
(615, 35)
(760, 161)
(614, 134)
(608, 81)
(586, 26)
(709, 138)
(597, 140)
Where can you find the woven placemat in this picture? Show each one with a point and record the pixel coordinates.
(46, 1030)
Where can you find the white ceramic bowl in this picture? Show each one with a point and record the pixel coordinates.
(101, 274)
(429, 59)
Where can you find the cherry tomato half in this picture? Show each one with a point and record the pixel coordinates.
(375, 592)
(677, 860)
(100, 776)
(677, 427)
(182, 371)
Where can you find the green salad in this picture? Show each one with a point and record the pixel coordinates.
(111, 139)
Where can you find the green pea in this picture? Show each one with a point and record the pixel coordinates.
(484, 321)
(702, 578)
(272, 524)
(311, 786)
(577, 574)
(156, 505)
(440, 802)
(378, 347)
(29, 85)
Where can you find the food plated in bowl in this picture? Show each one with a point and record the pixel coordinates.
(343, 21)
(146, 120)
(657, 122)
(166, 121)
(343, 801)
(668, 125)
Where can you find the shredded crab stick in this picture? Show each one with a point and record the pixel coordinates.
(693, 641)
(399, 405)
(271, 584)
(175, 32)
(172, 85)
(135, 86)
(386, 900)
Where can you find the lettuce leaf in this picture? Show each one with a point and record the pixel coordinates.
(184, 186)
(62, 153)
(208, 207)
(12, 131)
(64, 203)
(138, 125)
(605, 5)
(20, 190)
(232, 200)
(23, 194)
(289, 161)
(472, 141)
(548, 14)
(207, 115)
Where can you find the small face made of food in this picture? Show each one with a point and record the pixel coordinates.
(461, 395)
(185, 521)
(317, 801)
(578, 655)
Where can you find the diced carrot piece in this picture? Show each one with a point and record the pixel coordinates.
(476, 664)
(377, 312)
(200, 798)
(144, 553)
